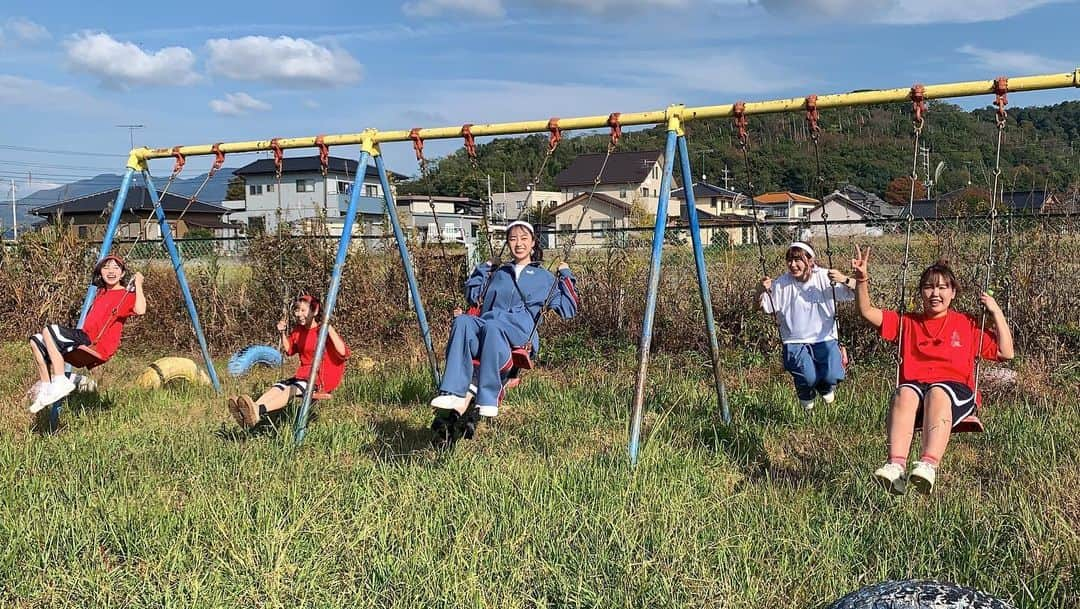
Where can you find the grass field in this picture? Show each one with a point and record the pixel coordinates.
(156, 499)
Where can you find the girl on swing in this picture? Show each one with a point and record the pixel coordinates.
(509, 300)
(937, 368)
(804, 302)
(300, 340)
(116, 300)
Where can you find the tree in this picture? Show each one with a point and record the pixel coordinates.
(899, 190)
(969, 201)
(234, 191)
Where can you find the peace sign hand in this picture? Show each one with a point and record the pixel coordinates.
(860, 263)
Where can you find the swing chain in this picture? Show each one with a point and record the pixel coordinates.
(178, 166)
(324, 154)
(278, 157)
(1001, 99)
(555, 134)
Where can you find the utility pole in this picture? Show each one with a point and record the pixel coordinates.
(727, 177)
(14, 218)
(925, 150)
(131, 132)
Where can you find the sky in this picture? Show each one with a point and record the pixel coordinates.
(200, 72)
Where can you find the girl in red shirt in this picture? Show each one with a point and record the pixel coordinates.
(116, 300)
(300, 340)
(938, 350)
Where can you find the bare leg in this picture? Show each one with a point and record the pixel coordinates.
(55, 358)
(937, 425)
(275, 398)
(39, 359)
(901, 426)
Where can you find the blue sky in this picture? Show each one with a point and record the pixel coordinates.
(200, 72)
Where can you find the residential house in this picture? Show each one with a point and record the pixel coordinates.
(1019, 202)
(88, 215)
(456, 218)
(851, 211)
(505, 206)
(631, 177)
(784, 206)
(594, 215)
(719, 210)
(303, 193)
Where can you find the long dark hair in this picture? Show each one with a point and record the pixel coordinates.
(537, 254)
(97, 280)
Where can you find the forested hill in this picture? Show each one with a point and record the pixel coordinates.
(868, 147)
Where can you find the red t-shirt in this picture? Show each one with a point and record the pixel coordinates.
(940, 349)
(302, 341)
(104, 321)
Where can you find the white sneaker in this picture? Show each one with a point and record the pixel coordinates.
(891, 477)
(49, 393)
(449, 401)
(922, 477)
(63, 387)
(829, 397)
(488, 411)
(807, 405)
(83, 383)
(36, 395)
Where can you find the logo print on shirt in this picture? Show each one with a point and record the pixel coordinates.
(955, 339)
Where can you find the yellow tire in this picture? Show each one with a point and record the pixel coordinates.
(168, 369)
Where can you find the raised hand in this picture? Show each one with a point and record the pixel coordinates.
(766, 284)
(282, 325)
(860, 263)
(563, 265)
(836, 276)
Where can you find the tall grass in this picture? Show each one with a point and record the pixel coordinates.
(154, 498)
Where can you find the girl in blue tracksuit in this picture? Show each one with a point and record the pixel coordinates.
(508, 312)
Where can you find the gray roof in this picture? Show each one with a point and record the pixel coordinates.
(598, 197)
(138, 199)
(865, 202)
(704, 190)
(308, 164)
(621, 168)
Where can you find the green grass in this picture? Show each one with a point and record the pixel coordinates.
(155, 499)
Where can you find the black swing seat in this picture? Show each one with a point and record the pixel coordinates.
(84, 357)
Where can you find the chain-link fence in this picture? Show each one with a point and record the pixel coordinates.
(242, 285)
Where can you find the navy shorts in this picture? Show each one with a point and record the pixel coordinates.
(66, 339)
(293, 385)
(961, 397)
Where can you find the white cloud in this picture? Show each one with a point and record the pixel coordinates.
(903, 12)
(731, 73)
(498, 8)
(294, 62)
(17, 30)
(433, 8)
(1012, 62)
(311, 104)
(16, 91)
(238, 104)
(122, 64)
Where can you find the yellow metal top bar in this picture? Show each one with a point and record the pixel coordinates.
(371, 138)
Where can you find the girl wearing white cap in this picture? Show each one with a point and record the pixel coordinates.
(509, 300)
(804, 303)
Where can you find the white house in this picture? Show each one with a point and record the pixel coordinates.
(631, 177)
(303, 193)
(719, 210)
(456, 218)
(594, 216)
(851, 211)
(510, 205)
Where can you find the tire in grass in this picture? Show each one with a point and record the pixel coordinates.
(919, 594)
(247, 358)
(169, 369)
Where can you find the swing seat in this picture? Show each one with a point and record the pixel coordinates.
(969, 424)
(84, 357)
(320, 396)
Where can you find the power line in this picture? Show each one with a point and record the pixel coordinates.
(53, 151)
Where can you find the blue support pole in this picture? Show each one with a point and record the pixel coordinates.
(410, 276)
(106, 245)
(703, 279)
(181, 278)
(637, 413)
(300, 425)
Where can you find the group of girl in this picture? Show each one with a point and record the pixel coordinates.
(939, 346)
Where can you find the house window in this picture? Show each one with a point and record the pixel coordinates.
(371, 190)
(256, 225)
(600, 227)
(255, 189)
(474, 230)
(305, 186)
(566, 228)
(269, 188)
(622, 194)
(344, 188)
(745, 235)
(84, 232)
(644, 192)
(655, 172)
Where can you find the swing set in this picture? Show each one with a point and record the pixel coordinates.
(673, 118)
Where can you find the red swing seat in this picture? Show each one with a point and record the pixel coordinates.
(84, 357)
(320, 396)
(520, 359)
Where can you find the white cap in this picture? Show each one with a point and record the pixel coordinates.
(803, 246)
(520, 223)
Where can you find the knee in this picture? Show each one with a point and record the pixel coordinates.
(905, 399)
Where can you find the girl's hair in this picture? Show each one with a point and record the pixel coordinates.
(797, 252)
(537, 254)
(97, 280)
(939, 270)
(312, 301)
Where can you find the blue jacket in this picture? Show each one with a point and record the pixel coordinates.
(518, 302)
